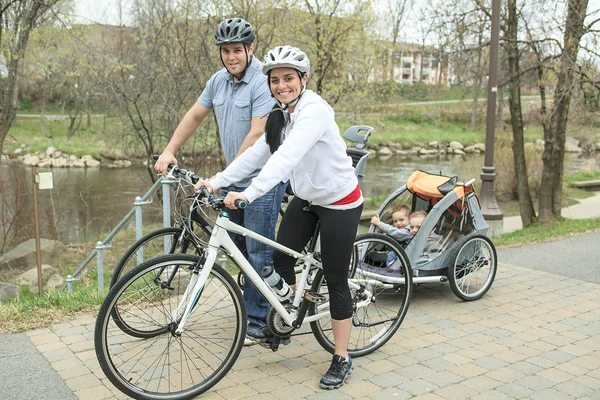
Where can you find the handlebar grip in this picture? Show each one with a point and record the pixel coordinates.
(241, 204)
(155, 157)
(204, 191)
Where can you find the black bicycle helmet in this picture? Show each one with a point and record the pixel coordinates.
(234, 30)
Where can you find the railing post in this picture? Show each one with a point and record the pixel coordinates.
(99, 247)
(69, 282)
(166, 200)
(70, 285)
(139, 226)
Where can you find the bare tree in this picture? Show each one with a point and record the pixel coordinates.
(555, 126)
(17, 20)
(518, 146)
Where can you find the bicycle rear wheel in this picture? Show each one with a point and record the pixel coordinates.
(163, 364)
(374, 324)
(152, 245)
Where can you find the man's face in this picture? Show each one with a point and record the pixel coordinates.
(234, 57)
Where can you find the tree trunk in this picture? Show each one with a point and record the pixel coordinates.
(43, 109)
(516, 117)
(89, 113)
(554, 147)
(9, 100)
(476, 89)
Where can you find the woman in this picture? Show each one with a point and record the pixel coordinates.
(302, 143)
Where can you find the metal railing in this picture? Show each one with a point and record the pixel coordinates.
(107, 242)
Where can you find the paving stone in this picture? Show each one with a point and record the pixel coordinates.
(359, 389)
(514, 390)
(82, 382)
(330, 395)
(389, 379)
(291, 392)
(468, 370)
(379, 367)
(492, 395)
(94, 393)
(455, 392)
(555, 375)
(536, 383)
(481, 383)
(574, 389)
(268, 384)
(444, 378)
(438, 364)
(71, 330)
(237, 392)
(490, 363)
(391, 393)
(550, 394)
(295, 363)
(589, 381)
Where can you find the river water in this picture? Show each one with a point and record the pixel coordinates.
(86, 203)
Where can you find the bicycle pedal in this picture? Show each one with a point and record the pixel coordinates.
(315, 297)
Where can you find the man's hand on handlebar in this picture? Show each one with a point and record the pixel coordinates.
(162, 164)
(205, 183)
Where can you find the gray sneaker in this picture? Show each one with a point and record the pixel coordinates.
(337, 373)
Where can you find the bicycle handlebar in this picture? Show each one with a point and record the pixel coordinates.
(180, 173)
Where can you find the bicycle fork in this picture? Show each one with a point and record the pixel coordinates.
(194, 289)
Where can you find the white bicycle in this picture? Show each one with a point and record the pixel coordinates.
(181, 319)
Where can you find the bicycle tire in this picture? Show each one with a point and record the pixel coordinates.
(390, 300)
(474, 266)
(170, 366)
(152, 245)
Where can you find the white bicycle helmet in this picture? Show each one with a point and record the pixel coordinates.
(286, 57)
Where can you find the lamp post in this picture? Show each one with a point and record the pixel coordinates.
(489, 206)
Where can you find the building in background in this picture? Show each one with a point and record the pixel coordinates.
(408, 63)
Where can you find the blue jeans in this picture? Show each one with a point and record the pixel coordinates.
(261, 217)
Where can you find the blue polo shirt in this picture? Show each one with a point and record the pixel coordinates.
(235, 104)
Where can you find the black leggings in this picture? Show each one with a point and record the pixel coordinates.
(338, 230)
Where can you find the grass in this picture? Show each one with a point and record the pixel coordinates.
(546, 232)
(31, 311)
(27, 132)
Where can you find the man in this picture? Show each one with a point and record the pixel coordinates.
(240, 97)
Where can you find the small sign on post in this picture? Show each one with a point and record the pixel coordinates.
(41, 181)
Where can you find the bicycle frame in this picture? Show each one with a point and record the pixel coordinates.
(220, 240)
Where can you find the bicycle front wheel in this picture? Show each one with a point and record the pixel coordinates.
(163, 364)
(390, 288)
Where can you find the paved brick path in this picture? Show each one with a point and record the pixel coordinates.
(535, 335)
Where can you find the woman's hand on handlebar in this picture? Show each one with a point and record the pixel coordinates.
(232, 200)
(162, 164)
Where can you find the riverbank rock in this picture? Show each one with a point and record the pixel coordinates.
(571, 147)
(50, 150)
(30, 160)
(384, 151)
(454, 145)
(23, 257)
(8, 291)
(50, 278)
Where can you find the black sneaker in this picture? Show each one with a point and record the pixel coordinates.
(337, 373)
(263, 338)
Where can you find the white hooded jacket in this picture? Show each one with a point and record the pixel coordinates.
(312, 156)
